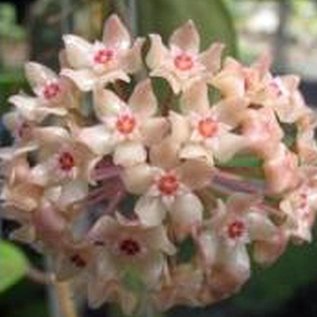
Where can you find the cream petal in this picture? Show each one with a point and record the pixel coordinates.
(84, 79)
(137, 179)
(107, 103)
(164, 154)
(260, 227)
(41, 174)
(158, 240)
(151, 268)
(150, 211)
(143, 101)
(186, 37)
(208, 245)
(27, 106)
(38, 75)
(195, 174)
(132, 60)
(227, 145)
(111, 77)
(195, 151)
(186, 213)
(153, 130)
(211, 58)
(51, 135)
(78, 51)
(195, 99)
(73, 192)
(8, 153)
(180, 127)
(115, 34)
(129, 153)
(267, 252)
(157, 53)
(237, 261)
(96, 138)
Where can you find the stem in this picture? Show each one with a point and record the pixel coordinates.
(65, 299)
(226, 182)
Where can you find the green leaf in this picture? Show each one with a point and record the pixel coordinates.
(211, 17)
(13, 265)
(243, 161)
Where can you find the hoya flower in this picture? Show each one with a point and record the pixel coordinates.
(53, 94)
(281, 170)
(262, 131)
(181, 64)
(127, 128)
(238, 81)
(223, 243)
(205, 135)
(300, 208)
(168, 185)
(64, 163)
(126, 247)
(182, 287)
(108, 60)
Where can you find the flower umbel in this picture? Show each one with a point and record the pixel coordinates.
(149, 176)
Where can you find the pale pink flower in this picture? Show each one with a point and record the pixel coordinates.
(181, 64)
(182, 287)
(126, 246)
(281, 170)
(127, 128)
(223, 242)
(64, 164)
(262, 131)
(102, 62)
(205, 133)
(167, 185)
(300, 208)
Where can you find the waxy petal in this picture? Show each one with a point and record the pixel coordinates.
(84, 79)
(107, 103)
(150, 211)
(132, 60)
(129, 154)
(38, 75)
(186, 38)
(97, 139)
(137, 179)
(186, 214)
(195, 99)
(78, 51)
(143, 101)
(157, 53)
(211, 58)
(115, 34)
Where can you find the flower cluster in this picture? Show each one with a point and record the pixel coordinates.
(133, 194)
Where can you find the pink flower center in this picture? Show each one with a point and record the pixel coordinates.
(183, 62)
(168, 184)
(51, 91)
(129, 247)
(66, 161)
(207, 127)
(236, 229)
(78, 261)
(125, 124)
(103, 56)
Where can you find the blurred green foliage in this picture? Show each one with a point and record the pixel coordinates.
(8, 27)
(13, 265)
(211, 17)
